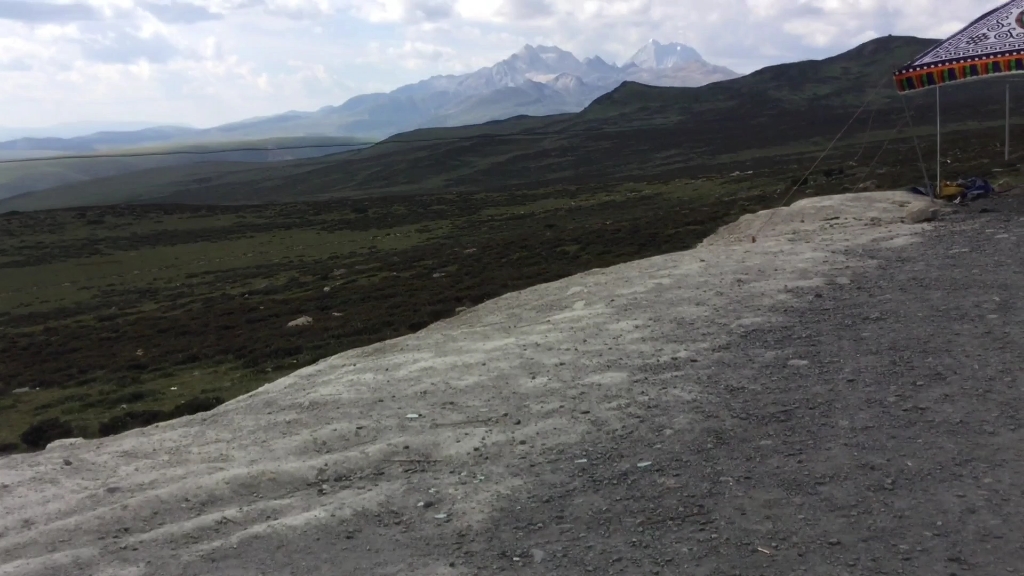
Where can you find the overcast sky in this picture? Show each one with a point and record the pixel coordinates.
(205, 62)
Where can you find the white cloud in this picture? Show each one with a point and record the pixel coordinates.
(309, 70)
(413, 55)
(54, 33)
(211, 48)
(299, 9)
(179, 12)
(402, 11)
(211, 61)
(45, 12)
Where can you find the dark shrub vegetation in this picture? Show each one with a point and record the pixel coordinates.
(41, 433)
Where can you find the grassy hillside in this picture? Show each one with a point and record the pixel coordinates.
(111, 317)
(40, 174)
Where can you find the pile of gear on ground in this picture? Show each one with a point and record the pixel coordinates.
(959, 192)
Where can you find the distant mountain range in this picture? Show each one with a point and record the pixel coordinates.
(71, 129)
(535, 81)
(98, 141)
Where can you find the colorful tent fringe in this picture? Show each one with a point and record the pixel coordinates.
(919, 79)
(992, 44)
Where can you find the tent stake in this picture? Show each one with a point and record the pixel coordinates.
(938, 145)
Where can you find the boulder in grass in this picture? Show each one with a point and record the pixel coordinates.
(298, 322)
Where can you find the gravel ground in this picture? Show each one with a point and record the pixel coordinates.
(873, 428)
(840, 399)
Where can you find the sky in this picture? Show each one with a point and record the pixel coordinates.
(206, 62)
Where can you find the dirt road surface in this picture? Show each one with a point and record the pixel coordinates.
(842, 397)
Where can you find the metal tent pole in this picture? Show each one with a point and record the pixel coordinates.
(938, 145)
(1007, 147)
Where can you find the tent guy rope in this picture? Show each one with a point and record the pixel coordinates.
(871, 97)
(920, 156)
(879, 154)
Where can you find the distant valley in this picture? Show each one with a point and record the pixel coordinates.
(535, 81)
(41, 172)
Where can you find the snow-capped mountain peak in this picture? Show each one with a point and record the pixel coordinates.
(654, 54)
(567, 83)
(536, 61)
(559, 70)
(535, 80)
(597, 65)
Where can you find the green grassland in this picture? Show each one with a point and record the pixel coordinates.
(113, 310)
(132, 308)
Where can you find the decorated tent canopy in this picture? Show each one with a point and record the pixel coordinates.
(992, 44)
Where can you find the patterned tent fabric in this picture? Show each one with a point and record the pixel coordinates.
(992, 44)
